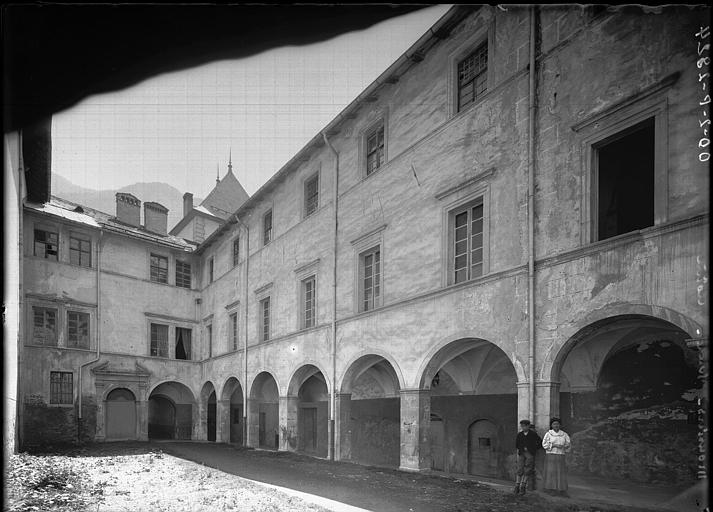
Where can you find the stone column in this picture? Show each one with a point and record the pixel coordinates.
(142, 419)
(415, 430)
(199, 427)
(288, 423)
(252, 423)
(343, 427)
(523, 401)
(222, 420)
(547, 404)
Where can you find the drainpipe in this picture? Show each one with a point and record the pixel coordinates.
(245, 353)
(531, 212)
(245, 391)
(332, 423)
(98, 335)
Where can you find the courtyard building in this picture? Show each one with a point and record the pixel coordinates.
(510, 222)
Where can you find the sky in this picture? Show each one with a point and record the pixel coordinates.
(180, 128)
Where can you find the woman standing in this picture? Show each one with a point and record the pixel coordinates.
(556, 443)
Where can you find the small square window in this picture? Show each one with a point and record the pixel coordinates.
(370, 279)
(308, 302)
(267, 228)
(473, 76)
(46, 244)
(44, 326)
(159, 268)
(61, 388)
(375, 149)
(77, 329)
(183, 274)
(159, 340)
(80, 251)
(311, 195)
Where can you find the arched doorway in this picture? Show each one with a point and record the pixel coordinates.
(312, 408)
(265, 412)
(232, 395)
(629, 383)
(482, 445)
(120, 415)
(370, 430)
(209, 411)
(171, 408)
(473, 393)
(162, 417)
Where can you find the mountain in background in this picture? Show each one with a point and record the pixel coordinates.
(105, 200)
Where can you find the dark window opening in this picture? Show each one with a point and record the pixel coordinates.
(46, 244)
(159, 340)
(183, 343)
(473, 77)
(159, 269)
(183, 274)
(626, 181)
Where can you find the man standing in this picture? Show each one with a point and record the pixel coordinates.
(527, 443)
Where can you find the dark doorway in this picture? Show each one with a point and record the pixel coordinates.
(120, 415)
(482, 459)
(162, 418)
(212, 417)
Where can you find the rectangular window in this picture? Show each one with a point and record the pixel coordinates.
(183, 343)
(267, 228)
(625, 179)
(77, 329)
(265, 318)
(61, 388)
(44, 326)
(473, 76)
(211, 266)
(209, 336)
(234, 331)
(159, 340)
(159, 269)
(467, 242)
(236, 252)
(311, 195)
(370, 263)
(374, 150)
(46, 244)
(183, 274)
(80, 251)
(308, 302)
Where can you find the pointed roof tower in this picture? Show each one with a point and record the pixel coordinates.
(227, 195)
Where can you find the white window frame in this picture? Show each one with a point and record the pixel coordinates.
(380, 121)
(313, 176)
(262, 293)
(363, 245)
(461, 198)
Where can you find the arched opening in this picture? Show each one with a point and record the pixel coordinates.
(209, 411)
(162, 417)
(120, 415)
(171, 411)
(312, 407)
(265, 411)
(474, 408)
(628, 398)
(370, 430)
(233, 421)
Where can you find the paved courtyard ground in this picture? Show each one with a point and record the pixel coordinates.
(193, 476)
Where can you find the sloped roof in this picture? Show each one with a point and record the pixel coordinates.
(226, 197)
(58, 207)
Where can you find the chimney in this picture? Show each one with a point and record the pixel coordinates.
(155, 217)
(187, 203)
(128, 209)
